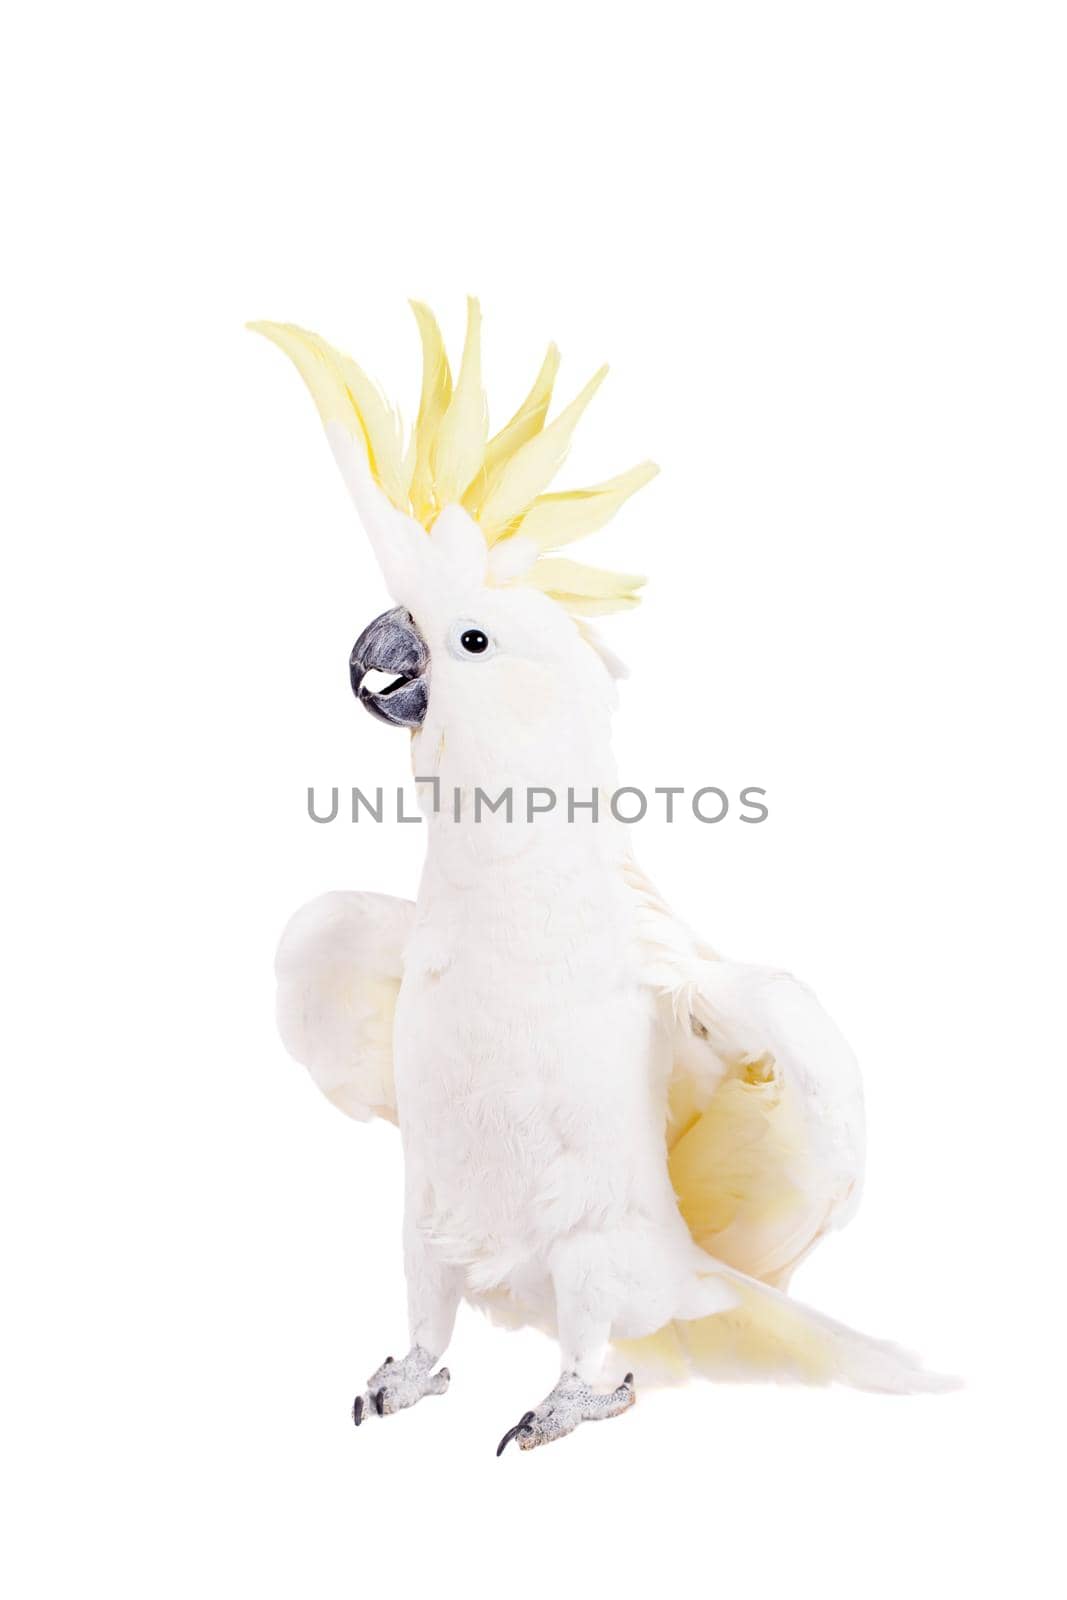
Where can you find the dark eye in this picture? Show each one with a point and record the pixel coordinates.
(474, 641)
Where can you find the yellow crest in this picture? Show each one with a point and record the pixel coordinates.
(501, 481)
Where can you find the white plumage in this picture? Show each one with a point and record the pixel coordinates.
(609, 1132)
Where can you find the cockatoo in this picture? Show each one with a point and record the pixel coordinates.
(609, 1132)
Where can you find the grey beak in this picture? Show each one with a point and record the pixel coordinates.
(392, 644)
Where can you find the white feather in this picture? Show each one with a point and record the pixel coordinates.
(562, 1046)
(339, 966)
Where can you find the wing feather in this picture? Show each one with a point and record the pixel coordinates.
(339, 966)
(765, 1127)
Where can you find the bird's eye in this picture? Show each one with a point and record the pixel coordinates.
(466, 641)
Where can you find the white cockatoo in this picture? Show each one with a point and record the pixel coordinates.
(609, 1132)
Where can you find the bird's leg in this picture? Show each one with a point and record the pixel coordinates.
(398, 1384)
(583, 1336)
(433, 1298)
(570, 1402)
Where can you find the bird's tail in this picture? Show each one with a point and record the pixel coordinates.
(768, 1335)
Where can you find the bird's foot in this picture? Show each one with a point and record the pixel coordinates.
(398, 1384)
(571, 1401)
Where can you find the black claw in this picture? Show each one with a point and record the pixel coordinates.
(629, 1378)
(357, 1410)
(388, 1361)
(379, 1402)
(523, 1422)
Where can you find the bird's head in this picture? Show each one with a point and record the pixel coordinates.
(498, 675)
(487, 650)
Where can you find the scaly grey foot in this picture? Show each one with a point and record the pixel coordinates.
(398, 1384)
(572, 1401)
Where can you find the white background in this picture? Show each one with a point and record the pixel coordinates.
(823, 247)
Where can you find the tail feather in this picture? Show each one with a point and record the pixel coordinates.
(768, 1335)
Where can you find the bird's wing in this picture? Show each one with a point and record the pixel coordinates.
(765, 1123)
(339, 966)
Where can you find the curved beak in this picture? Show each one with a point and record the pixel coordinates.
(387, 669)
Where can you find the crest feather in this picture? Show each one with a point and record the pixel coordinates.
(459, 448)
(533, 466)
(558, 519)
(500, 482)
(589, 591)
(528, 420)
(433, 403)
(343, 393)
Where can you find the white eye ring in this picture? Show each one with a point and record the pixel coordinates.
(468, 641)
